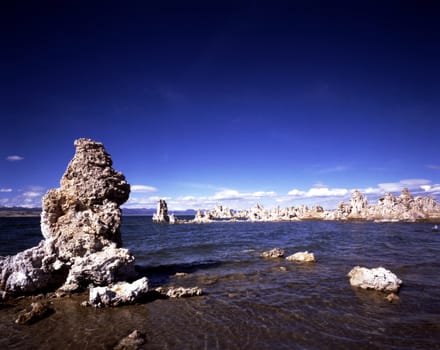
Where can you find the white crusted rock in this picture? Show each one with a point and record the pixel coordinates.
(161, 215)
(302, 257)
(378, 278)
(119, 294)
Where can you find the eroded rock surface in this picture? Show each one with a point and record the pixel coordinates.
(161, 215)
(389, 207)
(379, 279)
(119, 294)
(80, 224)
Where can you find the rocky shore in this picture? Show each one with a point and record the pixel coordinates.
(81, 247)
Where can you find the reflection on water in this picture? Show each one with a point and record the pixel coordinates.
(254, 303)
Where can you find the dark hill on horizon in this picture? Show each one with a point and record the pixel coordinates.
(22, 211)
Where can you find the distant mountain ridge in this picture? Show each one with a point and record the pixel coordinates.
(23, 211)
(19, 211)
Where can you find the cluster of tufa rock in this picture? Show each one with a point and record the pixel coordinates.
(388, 208)
(80, 224)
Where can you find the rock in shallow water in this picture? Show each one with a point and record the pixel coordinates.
(302, 257)
(378, 278)
(273, 253)
(119, 294)
(132, 341)
(179, 292)
(37, 312)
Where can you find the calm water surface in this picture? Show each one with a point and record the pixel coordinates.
(250, 302)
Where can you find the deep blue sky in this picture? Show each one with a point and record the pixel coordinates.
(234, 103)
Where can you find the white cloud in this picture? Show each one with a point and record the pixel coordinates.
(335, 169)
(433, 166)
(319, 192)
(431, 189)
(14, 158)
(32, 194)
(326, 192)
(411, 184)
(390, 187)
(143, 202)
(372, 190)
(297, 193)
(229, 194)
(228, 197)
(142, 188)
(28, 197)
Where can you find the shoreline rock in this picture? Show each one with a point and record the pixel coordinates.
(80, 224)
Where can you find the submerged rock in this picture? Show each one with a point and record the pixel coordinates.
(80, 224)
(379, 279)
(273, 253)
(132, 341)
(118, 294)
(392, 298)
(37, 312)
(179, 292)
(302, 257)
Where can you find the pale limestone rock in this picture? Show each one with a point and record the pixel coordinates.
(273, 253)
(358, 203)
(219, 213)
(388, 208)
(200, 218)
(118, 294)
(104, 267)
(161, 215)
(378, 278)
(302, 257)
(173, 219)
(79, 221)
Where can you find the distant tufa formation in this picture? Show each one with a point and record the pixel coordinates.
(388, 208)
(161, 216)
(80, 223)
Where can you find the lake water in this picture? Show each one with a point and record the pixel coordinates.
(250, 302)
